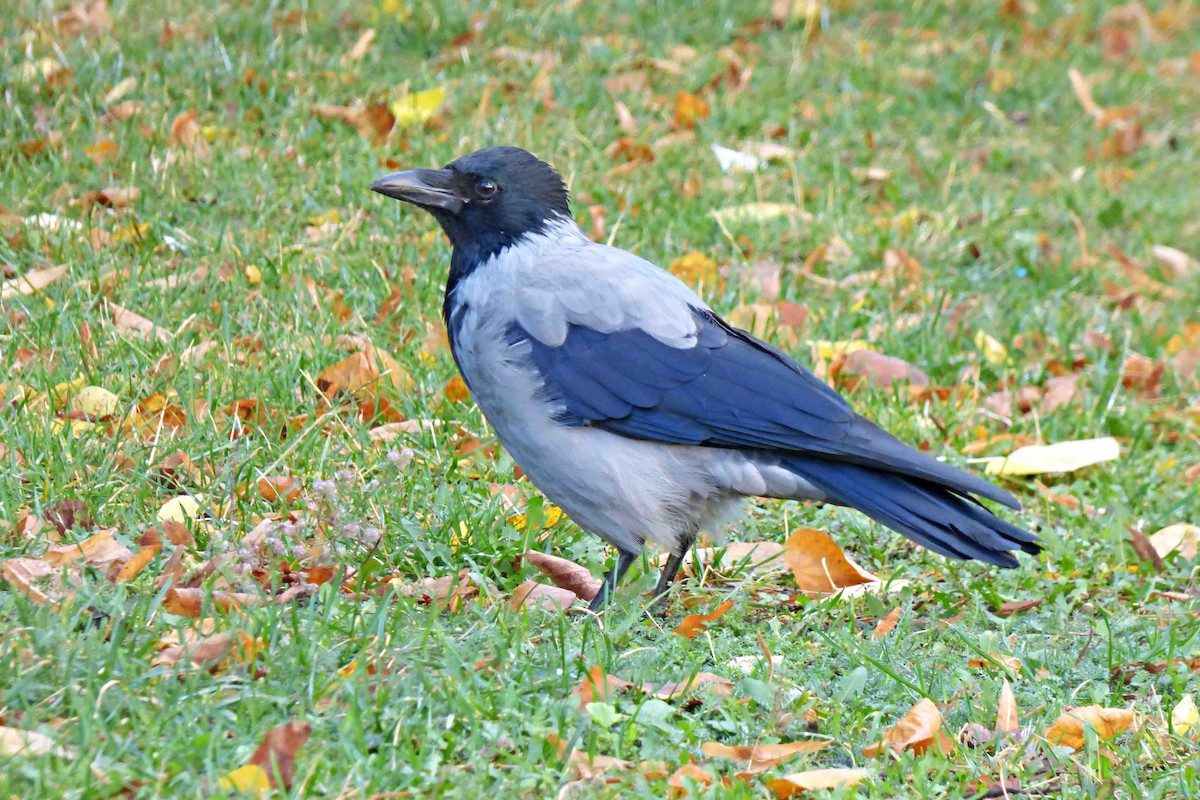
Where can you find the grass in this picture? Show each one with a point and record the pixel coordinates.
(997, 184)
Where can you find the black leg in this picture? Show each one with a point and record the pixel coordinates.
(670, 570)
(609, 586)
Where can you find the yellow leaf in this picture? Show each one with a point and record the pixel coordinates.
(1180, 537)
(760, 212)
(250, 778)
(823, 348)
(253, 274)
(809, 780)
(992, 350)
(551, 516)
(1185, 716)
(1067, 730)
(417, 107)
(123, 87)
(136, 231)
(695, 268)
(95, 401)
(1060, 457)
(180, 509)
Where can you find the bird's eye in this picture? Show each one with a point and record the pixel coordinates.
(486, 190)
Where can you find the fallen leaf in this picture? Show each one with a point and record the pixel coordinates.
(95, 401)
(99, 550)
(1010, 607)
(188, 602)
(696, 269)
(918, 730)
(1179, 264)
(1059, 391)
(1144, 549)
(1182, 538)
(1007, 718)
(276, 755)
(1185, 716)
(992, 350)
(35, 579)
(688, 772)
(887, 624)
(1061, 457)
(689, 109)
(813, 779)
(32, 281)
(722, 687)
(819, 565)
(1068, 729)
(878, 369)
(996, 661)
(762, 757)
(549, 598)
(361, 46)
(760, 212)
(599, 686)
(730, 160)
(118, 196)
(417, 107)
(274, 488)
(17, 742)
(565, 574)
(1143, 375)
(69, 514)
(149, 545)
(695, 624)
(135, 325)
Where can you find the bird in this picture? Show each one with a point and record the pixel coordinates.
(636, 408)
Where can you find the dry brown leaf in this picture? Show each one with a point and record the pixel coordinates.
(1143, 375)
(135, 325)
(188, 602)
(203, 648)
(1068, 729)
(118, 196)
(688, 772)
(565, 574)
(813, 779)
(599, 686)
(1177, 263)
(887, 624)
(1007, 718)
(918, 730)
(1181, 538)
(722, 687)
(762, 757)
(90, 17)
(149, 545)
(695, 624)
(35, 579)
(819, 565)
(361, 46)
(541, 595)
(689, 109)
(69, 514)
(99, 550)
(32, 281)
(277, 753)
(1010, 607)
(274, 488)
(1059, 392)
(996, 661)
(878, 369)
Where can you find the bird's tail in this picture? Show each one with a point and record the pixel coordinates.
(942, 519)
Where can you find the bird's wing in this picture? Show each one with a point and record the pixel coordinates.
(655, 363)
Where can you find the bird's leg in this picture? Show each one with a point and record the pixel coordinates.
(669, 571)
(609, 586)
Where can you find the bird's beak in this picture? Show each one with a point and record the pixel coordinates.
(428, 188)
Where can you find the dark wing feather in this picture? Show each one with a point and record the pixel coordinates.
(729, 390)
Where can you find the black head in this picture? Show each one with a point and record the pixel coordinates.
(486, 200)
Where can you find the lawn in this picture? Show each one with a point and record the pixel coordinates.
(242, 490)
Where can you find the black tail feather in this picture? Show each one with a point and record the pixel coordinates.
(942, 519)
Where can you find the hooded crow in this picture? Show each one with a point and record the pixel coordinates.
(636, 408)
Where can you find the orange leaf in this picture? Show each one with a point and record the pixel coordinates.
(762, 757)
(694, 624)
(819, 564)
(809, 780)
(456, 390)
(886, 624)
(722, 687)
(277, 753)
(272, 488)
(188, 602)
(1068, 729)
(599, 686)
(149, 545)
(689, 109)
(917, 731)
(689, 771)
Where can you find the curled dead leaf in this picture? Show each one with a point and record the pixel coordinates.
(565, 574)
(918, 730)
(813, 779)
(695, 624)
(819, 565)
(1068, 729)
(762, 757)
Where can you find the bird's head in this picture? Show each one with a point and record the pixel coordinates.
(486, 200)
